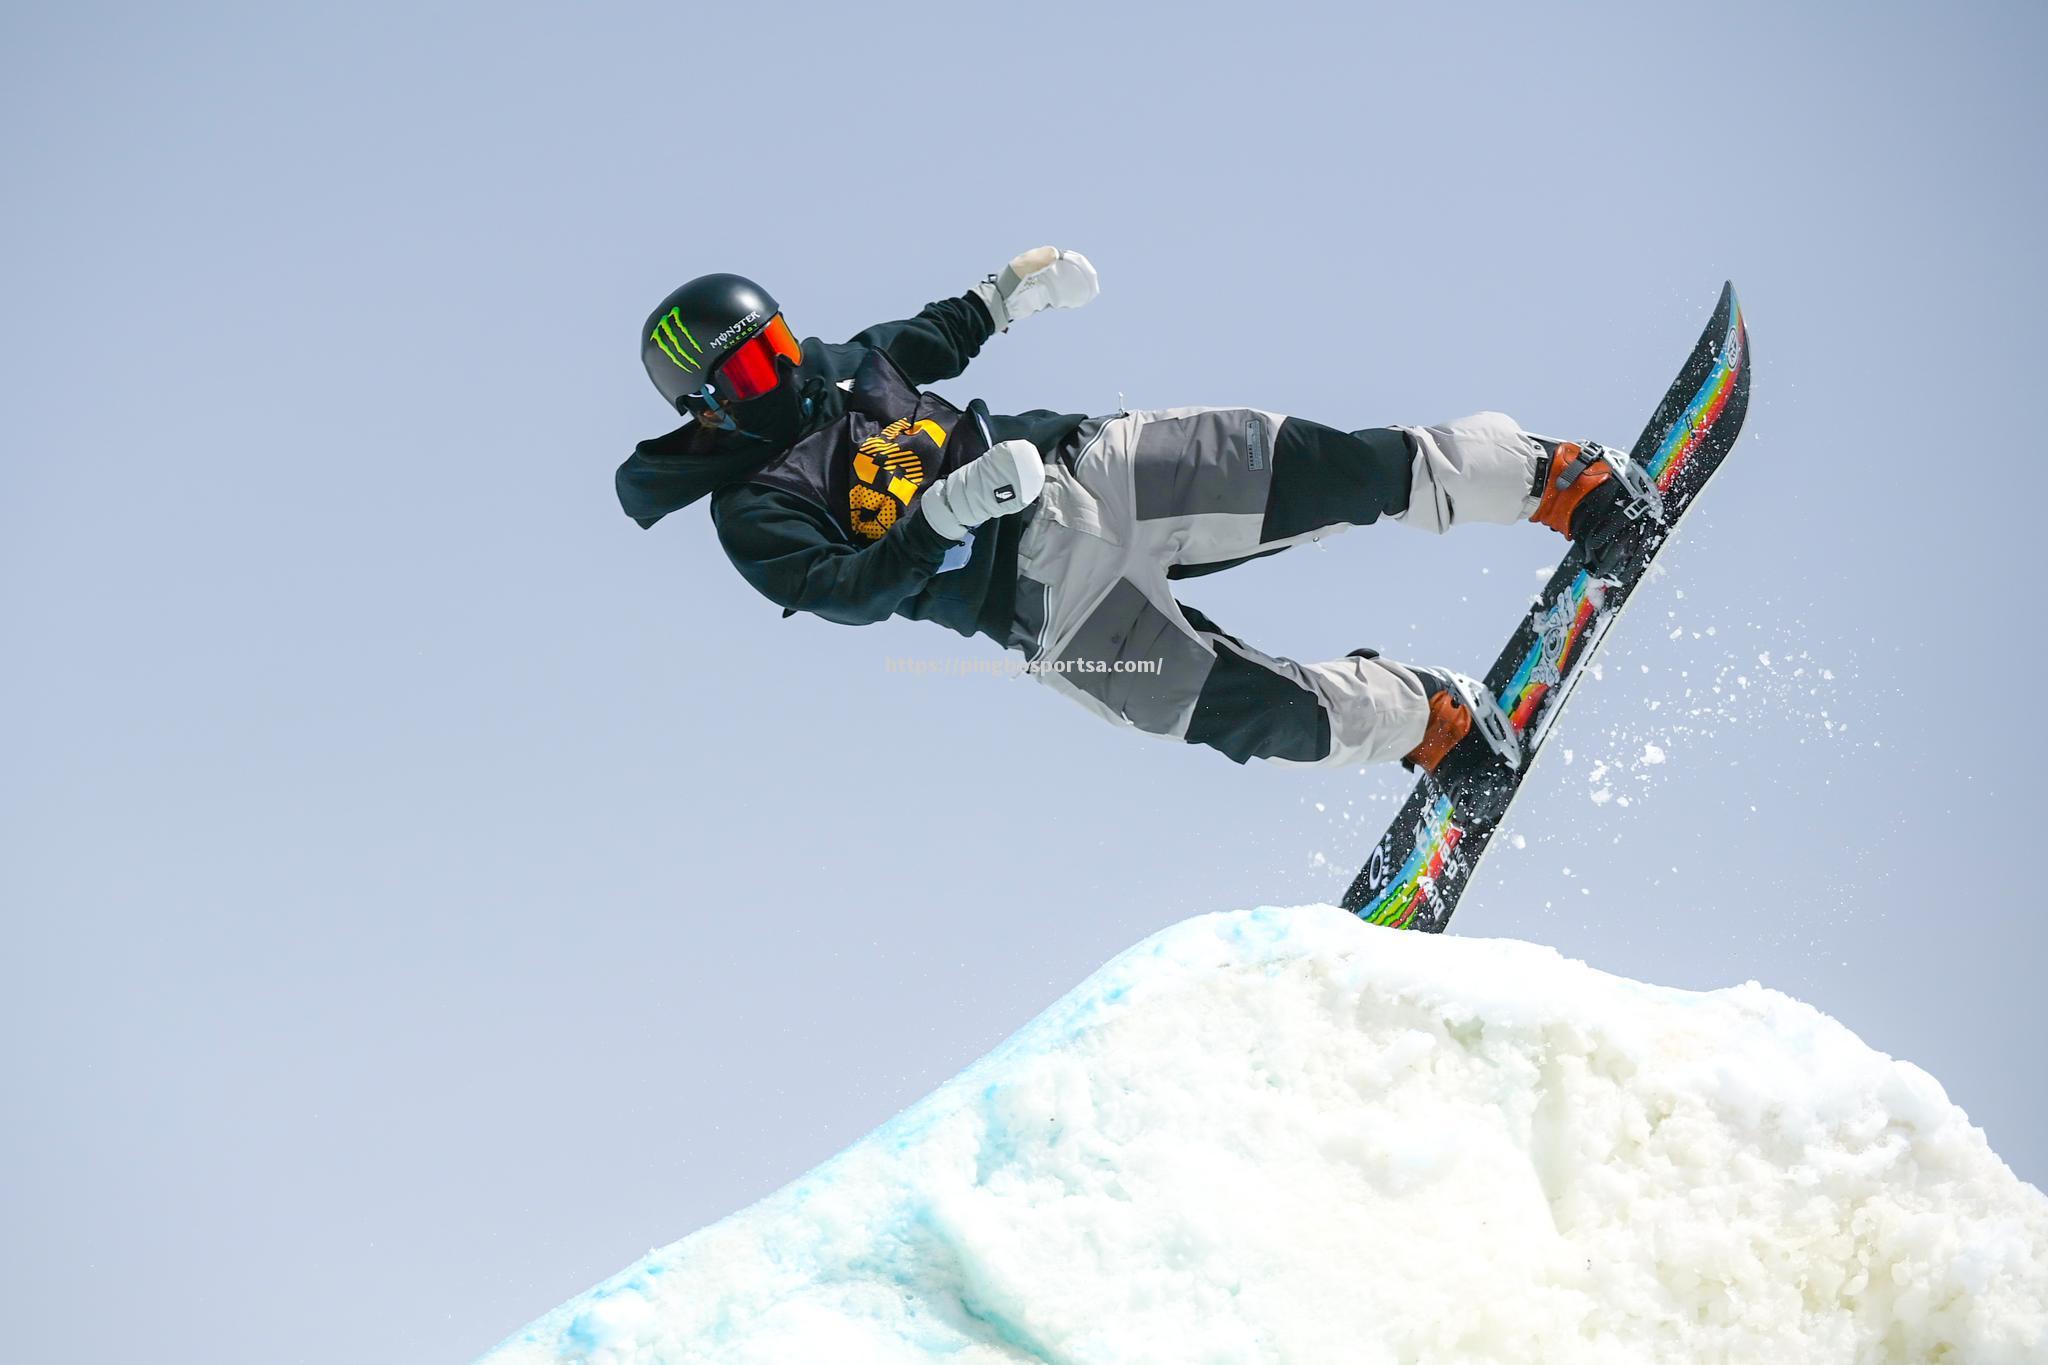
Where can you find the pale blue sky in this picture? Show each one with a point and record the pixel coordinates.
(424, 891)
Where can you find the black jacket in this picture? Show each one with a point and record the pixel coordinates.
(785, 532)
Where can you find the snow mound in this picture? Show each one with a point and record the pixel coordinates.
(1287, 1136)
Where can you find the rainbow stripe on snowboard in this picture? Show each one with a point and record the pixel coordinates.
(1558, 634)
(1434, 845)
(1563, 626)
(1689, 434)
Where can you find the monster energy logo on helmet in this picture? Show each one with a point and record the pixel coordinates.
(728, 309)
(670, 334)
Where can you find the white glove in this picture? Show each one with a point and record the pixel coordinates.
(1043, 277)
(1007, 479)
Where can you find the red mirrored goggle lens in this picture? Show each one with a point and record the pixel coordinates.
(750, 370)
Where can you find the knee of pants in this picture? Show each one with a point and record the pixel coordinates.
(1135, 662)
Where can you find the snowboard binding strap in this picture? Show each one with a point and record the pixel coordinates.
(1644, 498)
(1487, 717)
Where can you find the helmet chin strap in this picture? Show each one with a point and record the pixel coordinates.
(714, 414)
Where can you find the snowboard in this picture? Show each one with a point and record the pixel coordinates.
(1428, 855)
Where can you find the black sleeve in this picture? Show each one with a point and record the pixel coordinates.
(670, 472)
(938, 342)
(795, 557)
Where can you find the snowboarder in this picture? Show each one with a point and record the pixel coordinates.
(839, 487)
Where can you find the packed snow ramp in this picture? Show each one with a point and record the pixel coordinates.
(1288, 1136)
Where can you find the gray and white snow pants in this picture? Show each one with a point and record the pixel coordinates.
(1184, 488)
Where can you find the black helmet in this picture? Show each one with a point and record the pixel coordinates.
(718, 332)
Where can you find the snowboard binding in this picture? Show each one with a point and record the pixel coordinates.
(1609, 519)
(1489, 722)
(1642, 496)
(1491, 742)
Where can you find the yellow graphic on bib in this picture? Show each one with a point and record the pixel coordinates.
(887, 476)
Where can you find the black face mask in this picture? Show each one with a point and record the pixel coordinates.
(777, 417)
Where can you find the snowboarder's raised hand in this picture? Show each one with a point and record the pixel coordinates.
(1043, 277)
(1007, 479)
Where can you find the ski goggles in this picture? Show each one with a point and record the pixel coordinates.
(749, 370)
